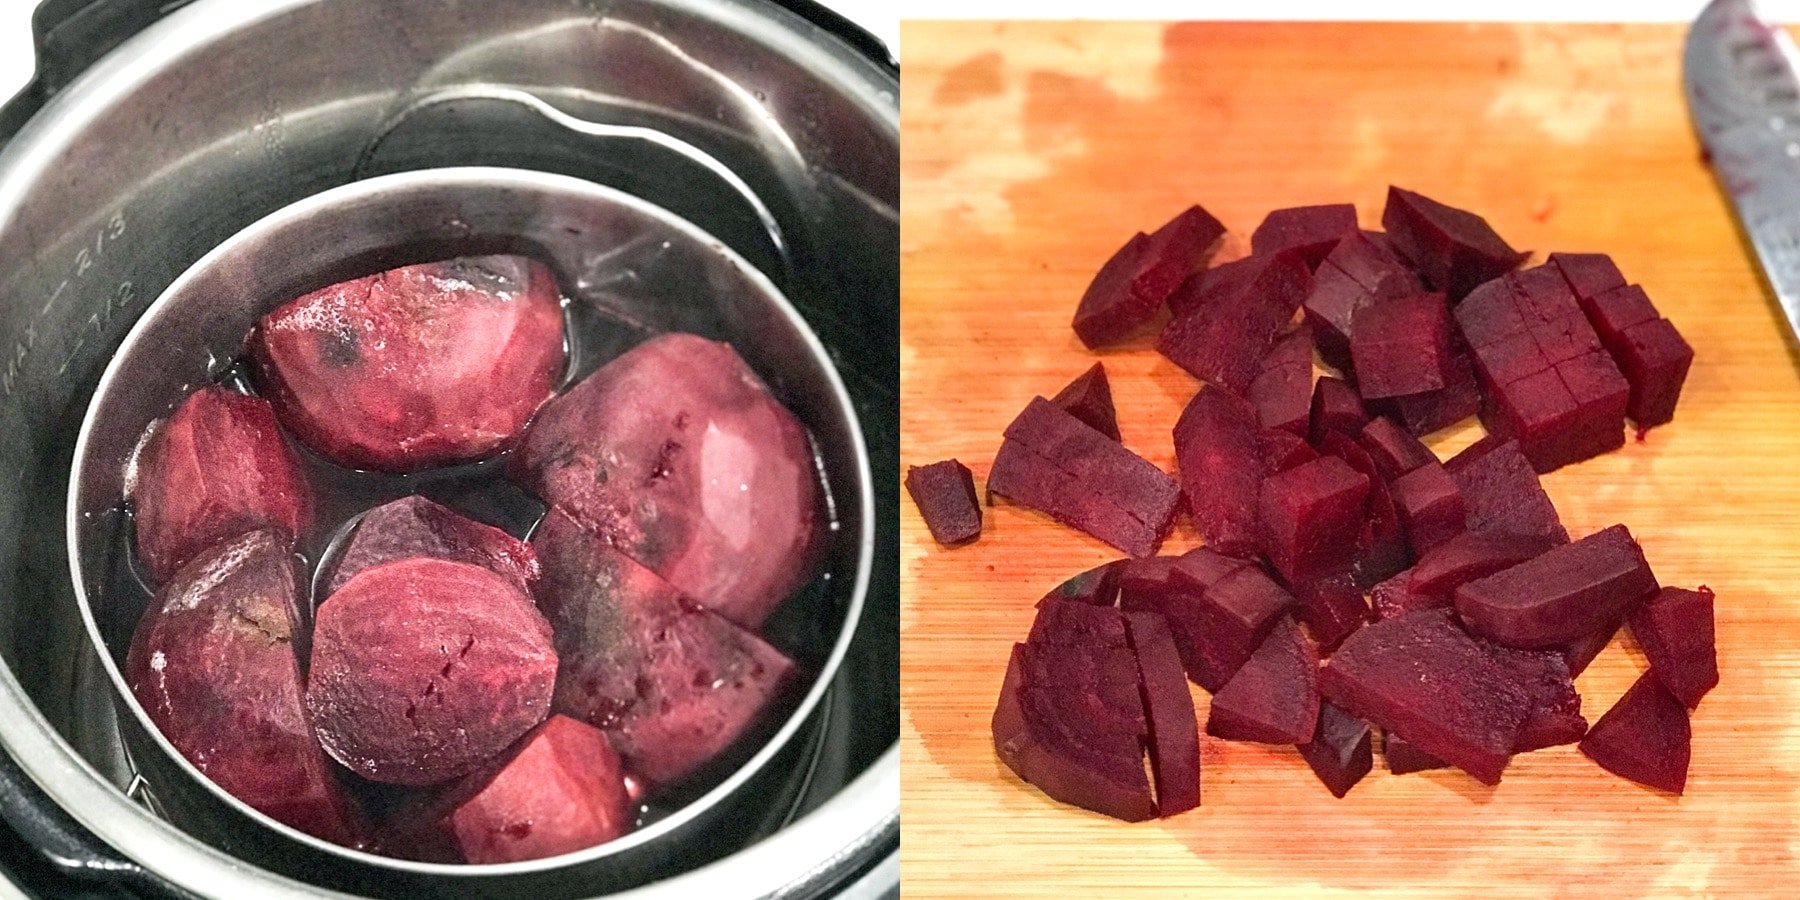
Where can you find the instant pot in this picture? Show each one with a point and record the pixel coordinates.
(154, 131)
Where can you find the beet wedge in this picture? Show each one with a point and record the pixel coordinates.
(1501, 492)
(1071, 720)
(1098, 586)
(1221, 339)
(561, 789)
(1282, 390)
(1312, 231)
(1274, 697)
(414, 526)
(1675, 628)
(1139, 277)
(1470, 556)
(944, 492)
(1339, 751)
(1219, 456)
(1089, 398)
(1174, 731)
(1559, 596)
(1644, 738)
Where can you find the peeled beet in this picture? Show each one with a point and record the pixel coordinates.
(1396, 597)
(1430, 506)
(1332, 607)
(1312, 231)
(1453, 249)
(1220, 460)
(1274, 697)
(1401, 346)
(1311, 516)
(1218, 609)
(1472, 555)
(1588, 274)
(1283, 450)
(1075, 622)
(944, 491)
(1089, 398)
(1139, 277)
(671, 683)
(1099, 585)
(1394, 450)
(1339, 752)
(214, 665)
(677, 454)
(1174, 732)
(1359, 271)
(415, 367)
(1431, 411)
(1555, 717)
(215, 469)
(1071, 720)
(1282, 390)
(1644, 737)
(414, 526)
(1222, 338)
(1562, 595)
(561, 790)
(1655, 360)
(1501, 492)
(1381, 548)
(1675, 628)
(1404, 759)
(1335, 407)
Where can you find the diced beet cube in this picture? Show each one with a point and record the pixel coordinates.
(1359, 271)
(1220, 460)
(1311, 515)
(1560, 595)
(1381, 548)
(1274, 697)
(1138, 278)
(1588, 274)
(1394, 449)
(1074, 622)
(1404, 758)
(1644, 738)
(1335, 407)
(1332, 607)
(1675, 628)
(1071, 721)
(1282, 391)
(1222, 340)
(1169, 711)
(1053, 463)
(1283, 450)
(1089, 398)
(1472, 555)
(944, 491)
(414, 526)
(1431, 411)
(1401, 346)
(561, 790)
(216, 468)
(1396, 597)
(1502, 493)
(1430, 506)
(418, 366)
(1339, 752)
(213, 663)
(677, 453)
(671, 683)
(1581, 651)
(1218, 609)
(1614, 311)
(1655, 360)
(1311, 230)
(1454, 249)
(1099, 585)
(1491, 313)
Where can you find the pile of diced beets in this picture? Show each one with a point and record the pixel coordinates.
(460, 694)
(1350, 581)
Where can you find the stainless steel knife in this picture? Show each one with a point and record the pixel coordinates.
(1742, 76)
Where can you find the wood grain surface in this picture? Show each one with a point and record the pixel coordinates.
(1031, 151)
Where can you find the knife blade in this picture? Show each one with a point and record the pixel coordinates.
(1742, 78)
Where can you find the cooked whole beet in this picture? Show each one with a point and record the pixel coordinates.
(944, 491)
(1274, 697)
(1071, 720)
(1222, 338)
(1311, 516)
(1675, 628)
(561, 790)
(424, 669)
(1453, 249)
(1394, 450)
(1502, 493)
(676, 452)
(414, 526)
(1219, 457)
(1312, 231)
(1561, 595)
(214, 664)
(415, 367)
(1282, 389)
(1169, 711)
(1139, 277)
(1644, 738)
(1339, 752)
(1089, 398)
(216, 468)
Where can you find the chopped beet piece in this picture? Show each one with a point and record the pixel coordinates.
(1053, 463)
(1404, 759)
(1472, 555)
(1458, 399)
(1203, 289)
(1283, 450)
(1396, 597)
(1655, 359)
(414, 526)
(1274, 697)
(1071, 721)
(1222, 339)
(1614, 311)
(1311, 515)
(418, 366)
(1074, 622)
(1359, 271)
(1339, 752)
(677, 453)
(561, 790)
(1335, 407)
(1430, 505)
(1581, 651)
(1561, 595)
(1146, 584)
(1108, 310)
(213, 664)
(1394, 449)
(1169, 711)
(1675, 628)
(1454, 249)
(1089, 398)
(1502, 493)
(215, 469)
(1217, 452)
(1381, 548)
(1218, 609)
(1401, 346)
(1588, 274)
(671, 683)
(1555, 717)
(1099, 585)
(1644, 737)
(1311, 230)
(1332, 607)
(945, 494)
(1282, 391)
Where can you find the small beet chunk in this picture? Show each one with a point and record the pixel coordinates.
(1220, 461)
(1362, 269)
(1311, 515)
(1432, 411)
(1472, 555)
(1394, 450)
(1588, 274)
(1381, 548)
(1071, 720)
(1223, 337)
(415, 367)
(1453, 249)
(1655, 360)
(1430, 506)
(1218, 608)
(1340, 751)
(1335, 407)
(1169, 712)
(1283, 450)
(414, 526)
(1559, 596)
(1089, 398)
(1274, 697)
(1282, 390)
(1397, 596)
(1404, 758)
(1139, 277)
(216, 468)
(1675, 628)
(1332, 607)
(1644, 738)
(1401, 346)
(1053, 463)
(1098, 586)
(944, 491)
(1581, 651)
(1502, 493)
(1310, 230)
(562, 790)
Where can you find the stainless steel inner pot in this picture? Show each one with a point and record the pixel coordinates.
(227, 111)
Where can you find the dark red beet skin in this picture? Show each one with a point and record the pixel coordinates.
(213, 663)
(216, 468)
(1394, 450)
(944, 491)
(1401, 346)
(415, 367)
(1644, 738)
(671, 684)
(1501, 492)
(1454, 249)
(1174, 732)
(1561, 595)
(1089, 398)
(1312, 231)
(1404, 759)
(1430, 506)
(1219, 456)
(1070, 720)
(414, 526)
(1282, 390)
(1335, 407)
(562, 790)
(1222, 338)
(1274, 697)
(1675, 628)
(1339, 752)
(678, 454)
(1311, 516)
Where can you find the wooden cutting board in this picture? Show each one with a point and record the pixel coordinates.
(1033, 150)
